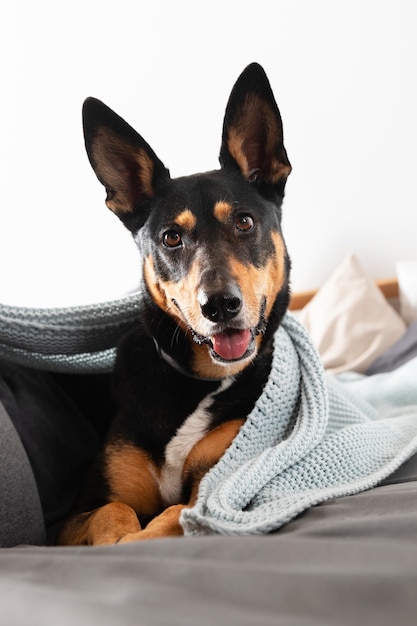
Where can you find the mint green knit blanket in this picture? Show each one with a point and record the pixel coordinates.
(308, 439)
(76, 339)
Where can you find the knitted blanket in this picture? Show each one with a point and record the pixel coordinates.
(78, 339)
(308, 439)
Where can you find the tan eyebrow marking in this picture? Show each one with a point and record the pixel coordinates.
(186, 219)
(222, 211)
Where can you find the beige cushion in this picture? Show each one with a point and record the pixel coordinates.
(349, 320)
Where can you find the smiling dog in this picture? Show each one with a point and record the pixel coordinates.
(215, 289)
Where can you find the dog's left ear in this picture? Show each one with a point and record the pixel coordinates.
(252, 131)
(123, 162)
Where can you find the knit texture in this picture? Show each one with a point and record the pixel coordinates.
(78, 339)
(308, 439)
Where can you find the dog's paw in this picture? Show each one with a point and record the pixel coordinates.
(166, 524)
(142, 535)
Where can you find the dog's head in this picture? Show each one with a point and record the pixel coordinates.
(214, 258)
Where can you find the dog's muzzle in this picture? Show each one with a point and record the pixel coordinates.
(231, 343)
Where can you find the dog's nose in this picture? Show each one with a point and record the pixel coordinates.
(222, 307)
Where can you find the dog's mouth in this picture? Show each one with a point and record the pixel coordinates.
(229, 345)
(232, 344)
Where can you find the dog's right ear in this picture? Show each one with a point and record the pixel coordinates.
(122, 160)
(252, 132)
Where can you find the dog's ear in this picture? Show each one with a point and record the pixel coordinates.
(252, 131)
(122, 160)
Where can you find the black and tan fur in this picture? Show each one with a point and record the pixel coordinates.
(215, 289)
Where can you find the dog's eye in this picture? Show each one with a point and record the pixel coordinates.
(172, 239)
(244, 222)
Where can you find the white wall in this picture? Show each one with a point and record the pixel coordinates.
(344, 75)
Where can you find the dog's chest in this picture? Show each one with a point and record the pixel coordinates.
(192, 430)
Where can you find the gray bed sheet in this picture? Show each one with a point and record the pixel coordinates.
(399, 353)
(349, 561)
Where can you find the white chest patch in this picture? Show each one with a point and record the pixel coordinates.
(192, 430)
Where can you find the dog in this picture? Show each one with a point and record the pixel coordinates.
(215, 275)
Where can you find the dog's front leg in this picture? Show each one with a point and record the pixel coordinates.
(167, 524)
(127, 477)
(102, 526)
(206, 453)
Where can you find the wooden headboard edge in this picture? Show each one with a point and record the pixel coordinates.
(388, 286)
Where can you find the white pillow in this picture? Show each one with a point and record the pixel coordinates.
(349, 320)
(407, 283)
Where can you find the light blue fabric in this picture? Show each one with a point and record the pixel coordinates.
(309, 438)
(77, 339)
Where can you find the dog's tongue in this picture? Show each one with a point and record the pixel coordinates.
(231, 344)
